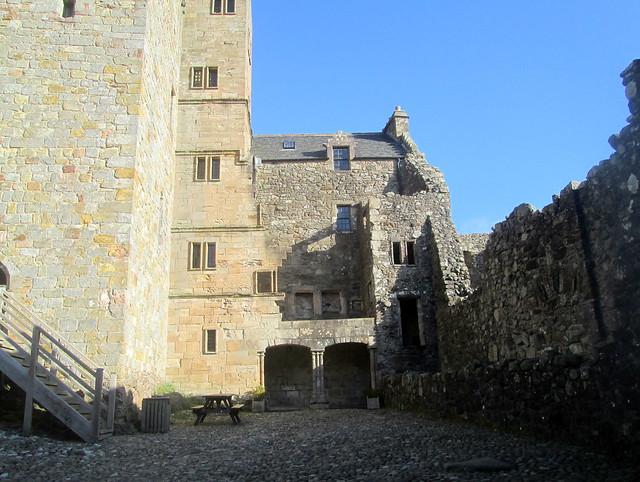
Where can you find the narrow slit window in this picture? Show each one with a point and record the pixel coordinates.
(210, 341)
(68, 8)
(196, 256)
(214, 170)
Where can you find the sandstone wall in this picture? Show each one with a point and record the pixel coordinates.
(549, 341)
(86, 151)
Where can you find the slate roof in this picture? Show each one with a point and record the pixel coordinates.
(310, 146)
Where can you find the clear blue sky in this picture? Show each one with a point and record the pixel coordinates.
(511, 99)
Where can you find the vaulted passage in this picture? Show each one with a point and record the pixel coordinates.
(346, 375)
(288, 376)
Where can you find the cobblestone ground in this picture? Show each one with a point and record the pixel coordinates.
(305, 445)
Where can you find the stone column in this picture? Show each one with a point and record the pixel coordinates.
(261, 367)
(373, 367)
(319, 396)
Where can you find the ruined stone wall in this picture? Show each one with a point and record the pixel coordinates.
(80, 166)
(549, 341)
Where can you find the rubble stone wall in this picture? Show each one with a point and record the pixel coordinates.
(549, 342)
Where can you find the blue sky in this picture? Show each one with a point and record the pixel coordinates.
(512, 100)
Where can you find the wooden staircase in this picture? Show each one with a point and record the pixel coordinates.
(63, 381)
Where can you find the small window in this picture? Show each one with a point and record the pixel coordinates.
(212, 77)
(214, 170)
(266, 282)
(196, 256)
(343, 222)
(68, 8)
(202, 253)
(288, 145)
(231, 6)
(331, 303)
(341, 158)
(396, 247)
(211, 255)
(197, 77)
(216, 6)
(303, 305)
(210, 341)
(411, 252)
(201, 168)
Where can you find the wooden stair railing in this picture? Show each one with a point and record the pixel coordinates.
(50, 371)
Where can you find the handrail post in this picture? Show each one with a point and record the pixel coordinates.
(111, 415)
(33, 364)
(97, 403)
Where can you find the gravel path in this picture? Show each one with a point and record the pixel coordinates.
(305, 445)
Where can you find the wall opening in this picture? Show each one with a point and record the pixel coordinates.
(409, 321)
(4, 276)
(68, 8)
(347, 375)
(303, 305)
(288, 376)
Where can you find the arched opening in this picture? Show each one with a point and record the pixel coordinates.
(288, 376)
(347, 375)
(4, 276)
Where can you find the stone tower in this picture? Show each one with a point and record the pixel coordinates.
(222, 276)
(86, 172)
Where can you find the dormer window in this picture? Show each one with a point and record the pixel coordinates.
(341, 158)
(289, 145)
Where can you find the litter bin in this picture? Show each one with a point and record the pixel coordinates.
(156, 413)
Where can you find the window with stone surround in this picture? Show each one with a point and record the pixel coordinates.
(223, 6)
(341, 158)
(403, 252)
(202, 256)
(206, 168)
(68, 8)
(331, 303)
(266, 282)
(204, 77)
(210, 341)
(343, 221)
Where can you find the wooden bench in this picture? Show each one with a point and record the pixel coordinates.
(201, 412)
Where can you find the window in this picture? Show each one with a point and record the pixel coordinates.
(331, 303)
(344, 218)
(202, 256)
(288, 145)
(403, 252)
(303, 305)
(229, 6)
(206, 168)
(341, 158)
(68, 8)
(204, 77)
(210, 341)
(266, 282)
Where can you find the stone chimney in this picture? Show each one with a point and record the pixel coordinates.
(398, 124)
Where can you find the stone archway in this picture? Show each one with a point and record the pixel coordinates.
(288, 375)
(347, 375)
(4, 276)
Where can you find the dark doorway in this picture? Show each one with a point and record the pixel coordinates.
(288, 376)
(4, 276)
(347, 375)
(409, 321)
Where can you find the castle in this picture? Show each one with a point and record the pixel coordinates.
(146, 223)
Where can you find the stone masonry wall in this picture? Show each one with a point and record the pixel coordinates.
(79, 165)
(549, 341)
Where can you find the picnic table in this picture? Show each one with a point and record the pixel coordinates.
(221, 403)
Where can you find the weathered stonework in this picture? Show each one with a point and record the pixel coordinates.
(551, 335)
(87, 139)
